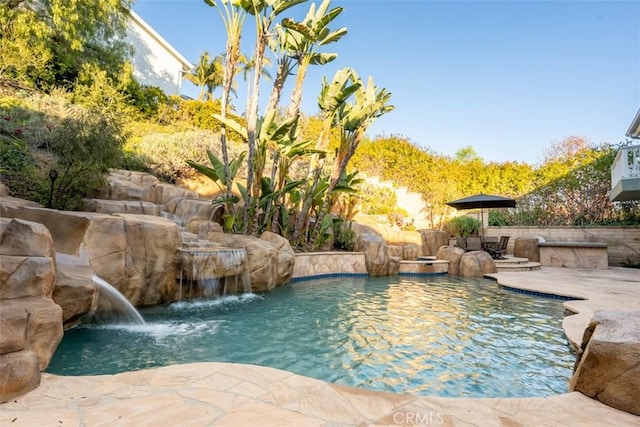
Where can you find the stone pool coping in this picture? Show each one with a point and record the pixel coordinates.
(205, 394)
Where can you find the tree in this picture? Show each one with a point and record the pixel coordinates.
(207, 75)
(265, 13)
(305, 39)
(77, 32)
(353, 120)
(233, 18)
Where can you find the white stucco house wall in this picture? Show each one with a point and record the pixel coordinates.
(155, 61)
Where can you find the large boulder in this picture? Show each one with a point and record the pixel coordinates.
(121, 188)
(411, 252)
(38, 320)
(4, 190)
(395, 251)
(376, 253)
(19, 373)
(121, 206)
(136, 254)
(202, 227)
(285, 256)
(525, 247)
(432, 240)
(262, 258)
(65, 228)
(476, 264)
(139, 178)
(186, 209)
(453, 254)
(162, 194)
(26, 276)
(25, 238)
(30, 322)
(608, 365)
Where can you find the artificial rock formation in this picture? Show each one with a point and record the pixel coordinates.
(453, 254)
(75, 291)
(30, 322)
(374, 247)
(608, 365)
(121, 206)
(526, 247)
(285, 256)
(432, 240)
(136, 254)
(411, 251)
(263, 256)
(476, 264)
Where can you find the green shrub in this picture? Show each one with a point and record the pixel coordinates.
(463, 226)
(19, 172)
(166, 153)
(89, 145)
(345, 237)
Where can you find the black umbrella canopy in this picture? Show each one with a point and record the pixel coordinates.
(483, 201)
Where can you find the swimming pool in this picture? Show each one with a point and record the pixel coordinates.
(430, 335)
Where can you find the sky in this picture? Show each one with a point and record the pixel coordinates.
(508, 78)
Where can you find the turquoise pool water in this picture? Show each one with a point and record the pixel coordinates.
(432, 335)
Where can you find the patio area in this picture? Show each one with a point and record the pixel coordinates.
(233, 394)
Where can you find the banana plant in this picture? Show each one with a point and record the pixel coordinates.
(330, 101)
(269, 135)
(218, 174)
(353, 120)
(265, 12)
(306, 38)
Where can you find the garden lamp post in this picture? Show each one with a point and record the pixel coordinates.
(53, 175)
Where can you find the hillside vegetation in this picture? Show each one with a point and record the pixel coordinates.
(71, 109)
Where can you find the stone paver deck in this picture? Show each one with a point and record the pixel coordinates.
(224, 394)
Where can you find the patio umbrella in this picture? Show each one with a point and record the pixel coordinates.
(482, 201)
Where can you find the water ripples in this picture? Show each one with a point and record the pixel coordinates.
(442, 336)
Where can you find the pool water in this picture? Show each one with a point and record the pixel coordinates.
(431, 335)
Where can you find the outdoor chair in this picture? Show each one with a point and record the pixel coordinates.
(502, 247)
(474, 243)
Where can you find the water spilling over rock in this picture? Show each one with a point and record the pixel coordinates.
(213, 272)
(113, 307)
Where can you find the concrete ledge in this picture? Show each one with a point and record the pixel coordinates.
(574, 244)
(320, 264)
(424, 267)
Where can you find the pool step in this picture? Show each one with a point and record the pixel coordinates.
(512, 263)
(424, 265)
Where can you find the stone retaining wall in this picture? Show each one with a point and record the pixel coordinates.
(622, 242)
(325, 263)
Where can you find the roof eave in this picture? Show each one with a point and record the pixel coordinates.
(634, 128)
(142, 23)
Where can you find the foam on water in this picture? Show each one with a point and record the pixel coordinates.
(217, 302)
(162, 330)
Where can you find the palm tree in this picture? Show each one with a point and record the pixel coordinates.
(265, 13)
(207, 75)
(233, 17)
(246, 68)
